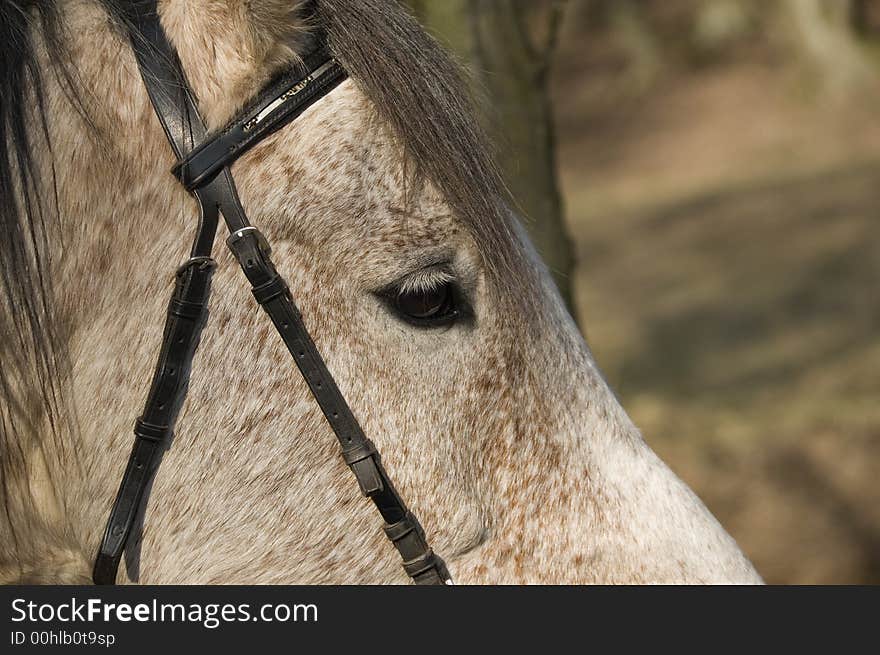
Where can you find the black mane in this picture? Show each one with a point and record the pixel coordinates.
(29, 363)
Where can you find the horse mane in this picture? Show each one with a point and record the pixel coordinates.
(30, 359)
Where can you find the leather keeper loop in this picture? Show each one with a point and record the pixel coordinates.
(436, 575)
(359, 452)
(199, 261)
(150, 432)
(421, 564)
(186, 309)
(270, 290)
(397, 531)
(368, 477)
(361, 459)
(182, 170)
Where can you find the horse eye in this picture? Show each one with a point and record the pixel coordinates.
(427, 307)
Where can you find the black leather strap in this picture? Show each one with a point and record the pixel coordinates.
(282, 102)
(187, 309)
(205, 172)
(253, 254)
(153, 427)
(171, 97)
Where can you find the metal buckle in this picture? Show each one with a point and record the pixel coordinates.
(244, 233)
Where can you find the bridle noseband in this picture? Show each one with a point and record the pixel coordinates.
(203, 169)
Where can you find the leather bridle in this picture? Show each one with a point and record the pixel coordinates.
(203, 169)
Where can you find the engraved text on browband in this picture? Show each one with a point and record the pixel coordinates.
(287, 95)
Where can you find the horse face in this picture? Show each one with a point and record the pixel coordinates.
(452, 347)
(471, 378)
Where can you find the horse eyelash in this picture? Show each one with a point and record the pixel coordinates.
(424, 280)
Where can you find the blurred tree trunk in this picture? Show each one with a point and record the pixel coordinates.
(630, 21)
(826, 33)
(508, 46)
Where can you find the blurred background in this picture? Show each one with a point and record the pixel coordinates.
(703, 178)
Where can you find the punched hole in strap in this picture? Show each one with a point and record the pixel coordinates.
(361, 459)
(150, 431)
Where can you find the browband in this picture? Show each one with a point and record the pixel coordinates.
(282, 102)
(204, 170)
